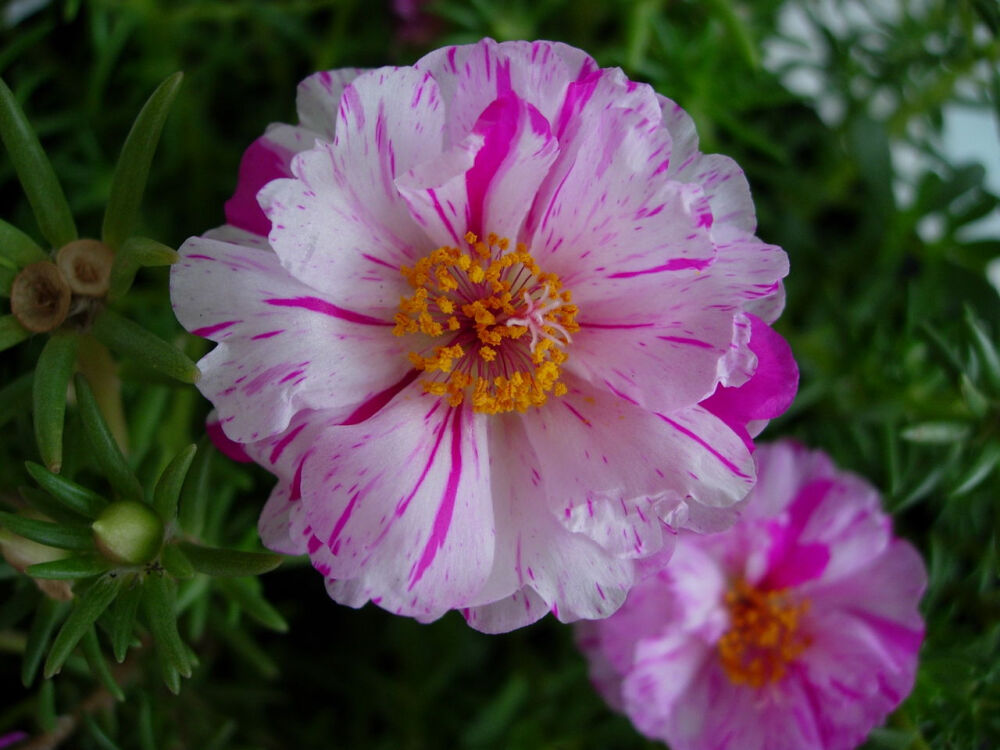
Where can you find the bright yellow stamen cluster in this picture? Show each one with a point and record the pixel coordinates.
(763, 635)
(486, 299)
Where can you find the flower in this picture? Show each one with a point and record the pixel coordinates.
(492, 320)
(798, 628)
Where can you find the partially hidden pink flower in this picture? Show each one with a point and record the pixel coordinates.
(797, 629)
(493, 321)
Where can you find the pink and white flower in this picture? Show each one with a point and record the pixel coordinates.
(797, 629)
(493, 321)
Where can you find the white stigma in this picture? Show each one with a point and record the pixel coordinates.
(534, 319)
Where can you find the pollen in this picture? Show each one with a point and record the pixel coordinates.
(764, 635)
(490, 327)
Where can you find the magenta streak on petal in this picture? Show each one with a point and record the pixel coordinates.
(404, 504)
(199, 256)
(499, 124)
(619, 394)
(295, 491)
(291, 375)
(334, 541)
(209, 330)
(322, 306)
(722, 459)
(379, 261)
(267, 335)
(280, 446)
(689, 342)
(677, 264)
(578, 94)
(615, 326)
(440, 212)
(442, 520)
(577, 414)
(374, 404)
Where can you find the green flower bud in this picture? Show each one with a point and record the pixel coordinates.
(128, 532)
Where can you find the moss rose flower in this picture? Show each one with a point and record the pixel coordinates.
(493, 321)
(797, 629)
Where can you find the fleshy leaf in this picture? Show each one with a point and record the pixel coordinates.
(52, 374)
(194, 494)
(132, 170)
(63, 536)
(122, 618)
(74, 496)
(158, 600)
(98, 665)
(135, 342)
(176, 563)
(168, 487)
(12, 332)
(69, 568)
(245, 592)
(87, 608)
(17, 247)
(35, 172)
(103, 446)
(214, 561)
(136, 253)
(47, 616)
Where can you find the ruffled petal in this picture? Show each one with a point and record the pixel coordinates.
(857, 671)
(605, 220)
(318, 100)
(612, 470)
(724, 182)
(341, 226)
(284, 455)
(769, 391)
(570, 573)
(397, 509)
(268, 158)
(471, 77)
(282, 347)
(486, 183)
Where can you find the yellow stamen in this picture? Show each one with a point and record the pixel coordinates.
(763, 635)
(485, 299)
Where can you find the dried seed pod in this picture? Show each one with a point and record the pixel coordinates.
(86, 264)
(40, 297)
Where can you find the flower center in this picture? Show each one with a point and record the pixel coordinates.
(763, 635)
(504, 323)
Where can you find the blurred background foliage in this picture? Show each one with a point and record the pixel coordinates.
(834, 108)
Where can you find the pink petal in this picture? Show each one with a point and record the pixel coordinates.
(230, 449)
(318, 100)
(722, 179)
(605, 220)
(397, 508)
(268, 158)
(486, 183)
(769, 391)
(857, 672)
(611, 468)
(574, 576)
(473, 76)
(340, 225)
(282, 348)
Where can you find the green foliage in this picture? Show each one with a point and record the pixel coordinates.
(895, 329)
